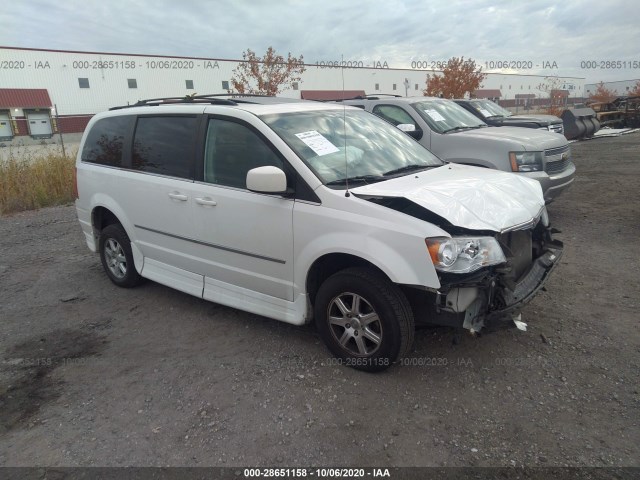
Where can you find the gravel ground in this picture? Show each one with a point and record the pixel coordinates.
(91, 374)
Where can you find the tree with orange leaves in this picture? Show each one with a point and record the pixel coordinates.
(458, 78)
(268, 75)
(603, 94)
(636, 90)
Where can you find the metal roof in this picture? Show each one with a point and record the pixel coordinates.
(24, 98)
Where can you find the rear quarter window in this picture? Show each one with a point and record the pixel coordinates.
(105, 141)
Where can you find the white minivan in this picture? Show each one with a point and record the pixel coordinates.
(303, 211)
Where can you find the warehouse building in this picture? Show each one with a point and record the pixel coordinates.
(45, 92)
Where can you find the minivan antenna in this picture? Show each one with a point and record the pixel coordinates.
(344, 131)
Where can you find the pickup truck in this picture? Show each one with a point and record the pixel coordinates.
(494, 115)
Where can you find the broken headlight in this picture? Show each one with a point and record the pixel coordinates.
(464, 254)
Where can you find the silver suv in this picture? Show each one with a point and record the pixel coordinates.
(455, 135)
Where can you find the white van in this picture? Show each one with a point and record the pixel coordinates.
(300, 211)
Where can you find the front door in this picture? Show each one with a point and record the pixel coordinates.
(246, 238)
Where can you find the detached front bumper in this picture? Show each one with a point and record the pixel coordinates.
(491, 300)
(508, 301)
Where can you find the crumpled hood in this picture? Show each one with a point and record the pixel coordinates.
(468, 197)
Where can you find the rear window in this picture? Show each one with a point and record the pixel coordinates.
(165, 145)
(105, 141)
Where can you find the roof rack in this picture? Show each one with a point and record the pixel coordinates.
(368, 97)
(212, 99)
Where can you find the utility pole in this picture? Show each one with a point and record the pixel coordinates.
(64, 154)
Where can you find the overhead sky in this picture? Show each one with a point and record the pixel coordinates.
(592, 39)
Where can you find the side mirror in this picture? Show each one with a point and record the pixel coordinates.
(406, 127)
(410, 129)
(266, 180)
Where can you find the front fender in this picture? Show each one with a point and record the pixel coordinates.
(400, 253)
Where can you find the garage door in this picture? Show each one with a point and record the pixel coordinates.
(39, 124)
(5, 127)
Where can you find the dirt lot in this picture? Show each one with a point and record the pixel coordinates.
(91, 374)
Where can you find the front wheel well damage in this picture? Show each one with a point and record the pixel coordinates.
(329, 264)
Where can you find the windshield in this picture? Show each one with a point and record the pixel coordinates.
(489, 109)
(445, 116)
(365, 148)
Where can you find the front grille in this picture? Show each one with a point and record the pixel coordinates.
(552, 152)
(555, 167)
(557, 159)
(557, 128)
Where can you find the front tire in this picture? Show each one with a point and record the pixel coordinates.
(116, 256)
(364, 319)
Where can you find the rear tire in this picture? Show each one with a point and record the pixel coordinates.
(364, 319)
(117, 258)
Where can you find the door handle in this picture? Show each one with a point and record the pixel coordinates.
(178, 196)
(209, 202)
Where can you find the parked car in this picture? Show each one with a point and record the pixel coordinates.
(301, 211)
(493, 114)
(455, 135)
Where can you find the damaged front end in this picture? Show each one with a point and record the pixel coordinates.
(498, 253)
(491, 297)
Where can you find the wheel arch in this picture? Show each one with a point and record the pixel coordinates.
(328, 264)
(102, 217)
(107, 213)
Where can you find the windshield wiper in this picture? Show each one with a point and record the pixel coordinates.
(357, 179)
(495, 116)
(453, 129)
(409, 168)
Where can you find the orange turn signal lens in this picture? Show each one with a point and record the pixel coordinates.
(514, 163)
(434, 248)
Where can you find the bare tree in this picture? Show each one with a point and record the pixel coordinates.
(552, 87)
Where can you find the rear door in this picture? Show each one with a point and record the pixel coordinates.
(158, 194)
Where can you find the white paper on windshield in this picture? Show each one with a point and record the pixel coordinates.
(484, 112)
(435, 115)
(318, 143)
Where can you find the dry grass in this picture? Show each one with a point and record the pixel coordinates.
(35, 181)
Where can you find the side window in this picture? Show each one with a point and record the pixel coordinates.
(232, 149)
(395, 115)
(165, 145)
(105, 141)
